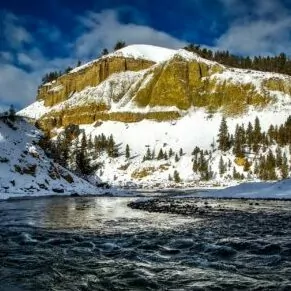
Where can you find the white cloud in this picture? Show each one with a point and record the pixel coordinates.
(262, 27)
(17, 86)
(261, 36)
(14, 33)
(104, 29)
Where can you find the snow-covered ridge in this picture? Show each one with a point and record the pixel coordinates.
(150, 53)
(139, 51)
(25, 170)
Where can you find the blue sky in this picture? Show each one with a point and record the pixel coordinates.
(37, 37)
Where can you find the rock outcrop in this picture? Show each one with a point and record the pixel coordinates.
(90, 76)
(129, 89)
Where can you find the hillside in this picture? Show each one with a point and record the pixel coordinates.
(27, 171)
(152, 99)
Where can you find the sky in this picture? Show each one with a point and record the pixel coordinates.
(37, 37)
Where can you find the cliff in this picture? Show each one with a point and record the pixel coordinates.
(144, 82)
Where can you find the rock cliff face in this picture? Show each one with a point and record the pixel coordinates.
(60, 90)
(129, 88)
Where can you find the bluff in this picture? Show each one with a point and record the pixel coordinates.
(145, 82)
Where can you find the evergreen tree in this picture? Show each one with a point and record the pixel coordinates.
(165, 156)
(127, 152)
(148, 155)
(223, 136)
(171, 152)
(257, 135)
(82, 159)
(279, 157)
(177, 158)
(119, 45)
(249, 135)
(196, 151)
(104, 52)
(160, 155)
(239, 140)
(221, 166)
(177, 178)
(284, 169)
(181, 152)
(170, 178)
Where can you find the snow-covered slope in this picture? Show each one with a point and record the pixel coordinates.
(278, 190)
(140, 51)
(25, 170)
(172, 76)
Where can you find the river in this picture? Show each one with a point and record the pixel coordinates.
(98, 243)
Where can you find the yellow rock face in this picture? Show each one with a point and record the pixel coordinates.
(92, 75)
(177, 83)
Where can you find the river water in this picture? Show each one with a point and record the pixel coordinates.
(91, 243)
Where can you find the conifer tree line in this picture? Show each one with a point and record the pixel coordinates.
(74, 150)
(249, 152)
(252, 141)
(151, 155)
(279, 64)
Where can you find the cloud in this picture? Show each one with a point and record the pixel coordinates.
(23, 61)
(17, 86)
(102, 30)
(262, 36)
(260, 27)
(13, 31)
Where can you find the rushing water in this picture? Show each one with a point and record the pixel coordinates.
(101, 244)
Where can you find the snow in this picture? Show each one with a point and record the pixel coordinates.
(196, 127)
(278, 190)
(18, 148)
(34, 110)
(139, 51)
(146, 52)
(150, 53)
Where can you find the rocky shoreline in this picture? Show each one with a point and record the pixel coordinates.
(212, 207)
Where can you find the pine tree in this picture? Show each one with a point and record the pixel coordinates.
(82, 159)
(165, 156)
(181, 152)
(223, 136)
(148, 155)
(104, 52)
(127, 152)
(171, 152)
(170, 178)
(257, 135)
(112, 149)
(177, 178)
(284, 167)
(247, 165)
(249, 135)
(221, 166)
(177, 158)
(119, 45)
(160, 155)
(279, 157)
(238, 142)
